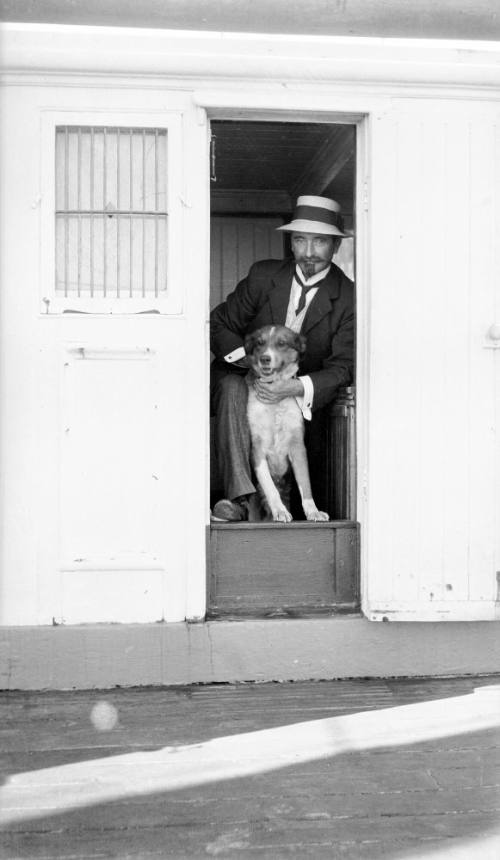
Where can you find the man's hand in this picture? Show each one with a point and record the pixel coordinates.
(273, 392)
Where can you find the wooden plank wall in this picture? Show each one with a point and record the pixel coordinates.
(236, 243)
(434, 468)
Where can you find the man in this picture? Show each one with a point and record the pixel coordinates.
(309, 294)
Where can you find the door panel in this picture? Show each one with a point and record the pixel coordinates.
(110, 473)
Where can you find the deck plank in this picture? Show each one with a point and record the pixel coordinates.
(359, 800)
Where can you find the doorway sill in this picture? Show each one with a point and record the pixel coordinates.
(299, 569)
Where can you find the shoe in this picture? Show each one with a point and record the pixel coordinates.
(226, 511)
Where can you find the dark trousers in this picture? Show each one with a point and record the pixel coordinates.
(231, 434)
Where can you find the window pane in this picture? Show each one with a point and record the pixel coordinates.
(111, 217)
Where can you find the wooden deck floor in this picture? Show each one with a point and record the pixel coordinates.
(341, 769)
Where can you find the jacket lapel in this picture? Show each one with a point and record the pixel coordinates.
(321, 304)
(279, 296)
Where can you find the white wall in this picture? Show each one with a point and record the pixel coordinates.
(427, 277)
(434, 453)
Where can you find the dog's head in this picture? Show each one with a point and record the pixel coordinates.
(274, 349)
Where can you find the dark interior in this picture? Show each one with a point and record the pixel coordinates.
(284, 160)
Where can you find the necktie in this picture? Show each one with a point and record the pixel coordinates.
(302, 300)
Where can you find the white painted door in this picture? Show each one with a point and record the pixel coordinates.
(431, 541)
(104, 356)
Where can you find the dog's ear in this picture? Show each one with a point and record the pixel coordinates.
(250, 341)
(300, 343)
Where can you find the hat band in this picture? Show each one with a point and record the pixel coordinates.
(316, 213)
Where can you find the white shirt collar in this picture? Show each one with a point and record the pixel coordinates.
(314, 279)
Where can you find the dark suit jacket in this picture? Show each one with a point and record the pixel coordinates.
(262, 299)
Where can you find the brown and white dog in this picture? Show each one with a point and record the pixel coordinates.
(277, 429)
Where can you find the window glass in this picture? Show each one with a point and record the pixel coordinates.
(111, 212)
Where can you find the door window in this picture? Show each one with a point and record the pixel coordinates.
(111, 212)
(111, 215)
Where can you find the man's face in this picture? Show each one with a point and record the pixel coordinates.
(313, 252)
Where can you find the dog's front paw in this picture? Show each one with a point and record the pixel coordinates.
(318, 517)
(313, 515)
(281, 515)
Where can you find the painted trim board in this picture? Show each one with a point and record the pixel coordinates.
(56, 49)
(104, 656)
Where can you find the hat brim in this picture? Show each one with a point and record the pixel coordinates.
(316, 227)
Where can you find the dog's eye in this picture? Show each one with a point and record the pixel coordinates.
(260, 341)
(280, 343)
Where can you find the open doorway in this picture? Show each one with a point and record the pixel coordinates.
(258, 169)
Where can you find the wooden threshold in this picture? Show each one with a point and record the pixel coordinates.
(273, 570)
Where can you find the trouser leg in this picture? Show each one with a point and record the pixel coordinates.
(232, 435)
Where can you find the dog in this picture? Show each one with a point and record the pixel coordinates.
(277, 429)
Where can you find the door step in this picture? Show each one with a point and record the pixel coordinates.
(275, 570)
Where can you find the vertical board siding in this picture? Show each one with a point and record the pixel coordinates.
(494, 357)
(434, 320)
(455, 354)
(485, 283)
(433, 470)
(235, 244)
(408, 317)
(384, 413)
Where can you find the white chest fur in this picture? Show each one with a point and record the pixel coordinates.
(274, 425)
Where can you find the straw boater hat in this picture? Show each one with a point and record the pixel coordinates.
(318, 215)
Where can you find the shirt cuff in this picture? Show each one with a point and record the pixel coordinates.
(235, 355)
(306, 401)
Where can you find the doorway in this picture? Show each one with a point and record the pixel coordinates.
(258, 169)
